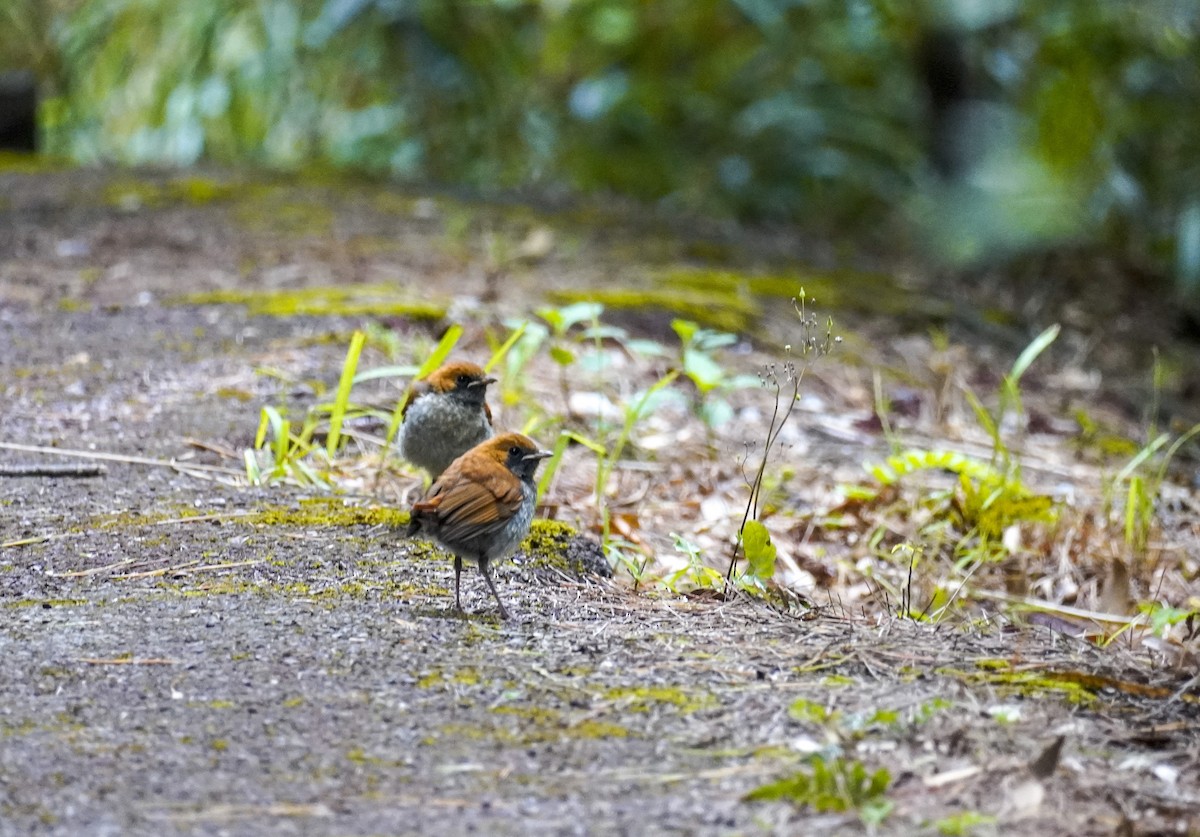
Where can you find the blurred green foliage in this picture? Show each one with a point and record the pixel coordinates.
(1073, 118)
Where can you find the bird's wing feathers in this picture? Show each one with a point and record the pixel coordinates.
(473, 502)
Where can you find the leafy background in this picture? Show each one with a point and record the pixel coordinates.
(967, 128)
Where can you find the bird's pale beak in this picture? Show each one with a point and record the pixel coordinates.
(541, 454)
(483, 382)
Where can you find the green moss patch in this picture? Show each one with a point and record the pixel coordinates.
(194, 191)
(47, 603)
(644, 698)
(713, 307)
(840, 290)
(1025, 682)
(339, 300)
(326, 512)
(559, 548)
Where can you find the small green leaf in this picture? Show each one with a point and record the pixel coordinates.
(553, 318)
(760, 552)
(561, 356)
(561, 319)
(548, 472)
(832, 785)
(686, 329)
(715, 412)
(810, 712)
(707, 339)
(282, 445)
(265, 422)
(705, 372)
(1162, 617)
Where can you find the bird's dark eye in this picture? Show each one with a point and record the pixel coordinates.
(463, 380)
(514, 451)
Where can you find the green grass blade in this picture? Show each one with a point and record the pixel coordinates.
(499, 354)
(1175, 446)
(441, 351)
(282, 447)
(1142, 455)
(560, 447)
(634, 414)
(253, 472)
(1134, 503)
(1031, 352)
(270, 421)
(565, 437)
(340, 403)
(988, 423)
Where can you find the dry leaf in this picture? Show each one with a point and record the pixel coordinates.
(1045, 764)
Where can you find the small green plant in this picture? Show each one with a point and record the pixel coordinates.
(753, 541)
(1141, 481)
(695, 574)
(279, 453)
(621, 552)
(564, 440)
(963, 824)
(632, 414)
(341, 401)
(1009, 400)
(711, 380)
(574, 336)
(966, 520)
(566, 338)
(291, 452)
(985, 499)
(832, 785)
(811, 712)
(850, 728)
(1163, 618)
(532, 337)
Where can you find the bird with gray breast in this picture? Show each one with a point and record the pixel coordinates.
(446, 414)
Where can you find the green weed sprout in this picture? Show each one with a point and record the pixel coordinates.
(604, 467)
(1142, 478)
(288, 448)
(1010, 395)
(989, 496)
(783, 380)
(711, 380)
(696, 574)
(833, 784)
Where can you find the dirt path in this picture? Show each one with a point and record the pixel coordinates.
(183, 656)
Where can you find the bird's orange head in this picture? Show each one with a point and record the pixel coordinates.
(460, 376)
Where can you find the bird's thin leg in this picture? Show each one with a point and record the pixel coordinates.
(457, 579)
(487, 576)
